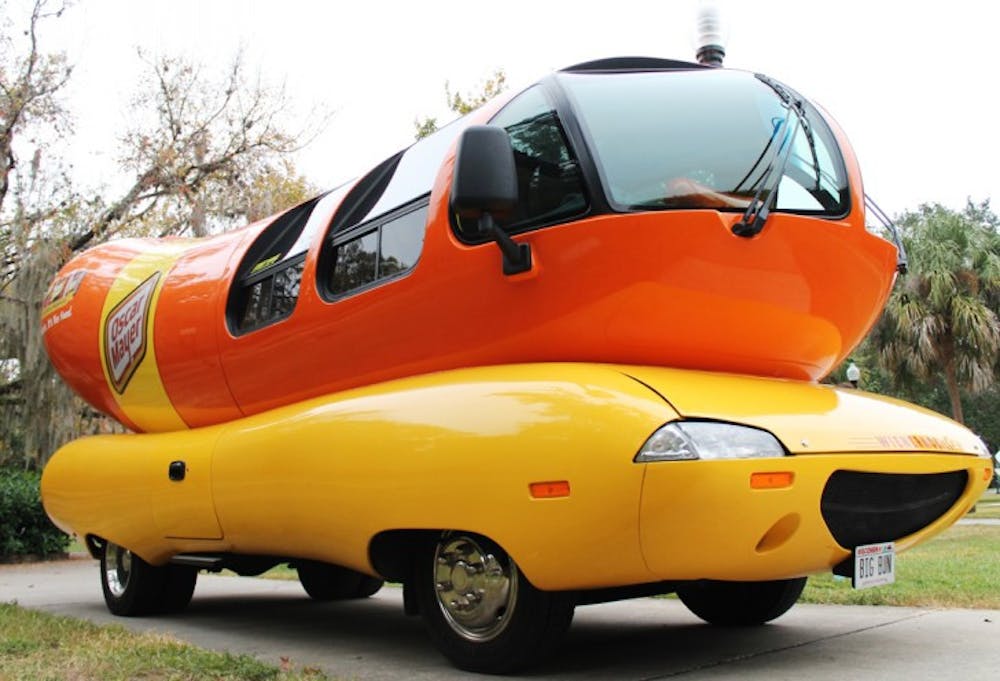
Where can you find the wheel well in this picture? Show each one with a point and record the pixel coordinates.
(392, 552)
(95, 545)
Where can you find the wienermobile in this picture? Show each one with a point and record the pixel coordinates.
(564, 350)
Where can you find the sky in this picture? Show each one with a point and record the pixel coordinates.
(912, 84)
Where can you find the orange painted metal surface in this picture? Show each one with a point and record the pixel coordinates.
(669, 288)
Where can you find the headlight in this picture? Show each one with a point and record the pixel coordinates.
(706, 440)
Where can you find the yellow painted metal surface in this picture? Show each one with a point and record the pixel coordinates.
(702, 520)
(809, 418)
(117, 487)
(456, 450)
(461, 449)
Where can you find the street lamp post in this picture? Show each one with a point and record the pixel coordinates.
(853, 373)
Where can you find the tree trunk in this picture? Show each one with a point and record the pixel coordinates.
(951, 382)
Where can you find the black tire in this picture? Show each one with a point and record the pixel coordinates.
(131, 586)
(327, 582)
(515, 624)
(741, 603)
(178, 588)
(369, 586)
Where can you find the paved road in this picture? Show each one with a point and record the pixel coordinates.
(638, 640)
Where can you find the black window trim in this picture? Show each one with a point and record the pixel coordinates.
(336, 238)
(364, 195)
(270, 270)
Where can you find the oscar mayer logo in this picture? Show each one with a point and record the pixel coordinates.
(125, 333)
(62, 290)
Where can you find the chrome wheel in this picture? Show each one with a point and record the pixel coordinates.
(117, 568)
(475, 590)
(132, 587)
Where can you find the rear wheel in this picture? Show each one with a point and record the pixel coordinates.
(327, 582)
(131, 586)
(481, 612)
(178, 588)
(741, 603)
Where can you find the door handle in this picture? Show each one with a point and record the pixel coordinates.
(177, 471)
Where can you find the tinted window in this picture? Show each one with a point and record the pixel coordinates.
(550, 186)
(365, 256)
(266, 285)
(271, 298)
(402, 240)
(702, 139)
(355, 262)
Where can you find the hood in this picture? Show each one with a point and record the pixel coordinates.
(809, 418)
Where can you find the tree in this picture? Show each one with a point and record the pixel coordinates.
(197, 159)
(28, 87)
(942, 318)
(36, 202)
(463, 104)
(205, 153)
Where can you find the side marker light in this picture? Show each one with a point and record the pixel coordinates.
(549, 490)
(777, 480)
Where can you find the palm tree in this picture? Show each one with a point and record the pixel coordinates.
(942, 318)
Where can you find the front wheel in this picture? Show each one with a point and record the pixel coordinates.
(481, 612)
(326, 582)
(741, 603)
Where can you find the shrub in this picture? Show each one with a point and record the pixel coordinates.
(25, 530)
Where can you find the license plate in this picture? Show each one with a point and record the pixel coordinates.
(874, 565)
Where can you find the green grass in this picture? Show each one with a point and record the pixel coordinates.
(38, 646)
(958, 569)
(282, 572)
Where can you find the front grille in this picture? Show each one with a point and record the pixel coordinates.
(868, 508)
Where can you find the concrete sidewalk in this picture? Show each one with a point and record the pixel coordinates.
(643, 639)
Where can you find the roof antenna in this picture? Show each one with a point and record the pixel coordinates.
(711, 40)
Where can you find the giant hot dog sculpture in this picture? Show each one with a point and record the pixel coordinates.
(641, 254)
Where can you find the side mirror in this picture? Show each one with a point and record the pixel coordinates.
(484, 190)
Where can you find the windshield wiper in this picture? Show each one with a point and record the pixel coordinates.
(793, 99)
(756, 213)
(807, 129)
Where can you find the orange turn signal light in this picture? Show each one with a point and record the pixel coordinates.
(549, 490)
(777, 480)
(988, 473)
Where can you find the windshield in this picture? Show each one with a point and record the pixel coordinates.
(704, 139)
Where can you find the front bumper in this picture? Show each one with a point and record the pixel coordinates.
(704, 520)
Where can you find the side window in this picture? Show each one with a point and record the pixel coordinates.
(270, 298)
(550, 185)
(376, 251)
(355, 263)
(266, 286)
